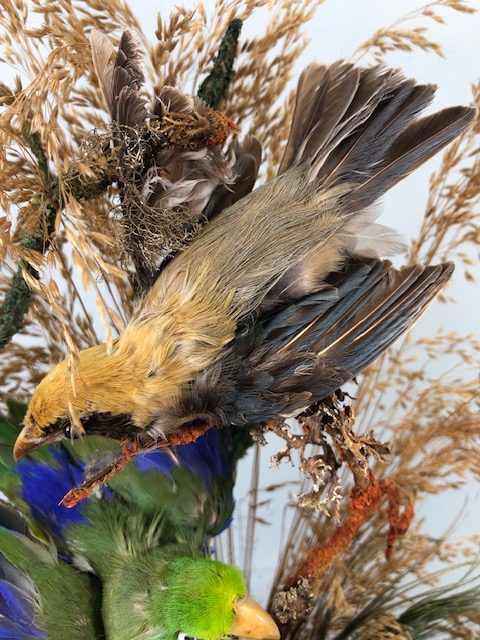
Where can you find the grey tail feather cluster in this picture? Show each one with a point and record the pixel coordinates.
(361, 127)
(120, 73)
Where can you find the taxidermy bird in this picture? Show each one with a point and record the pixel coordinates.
(282, 297)
(146, 539)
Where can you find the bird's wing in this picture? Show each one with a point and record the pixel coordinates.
(356, 133)
(192, 485)
(41, 595)
(309, 349)
(376, 304)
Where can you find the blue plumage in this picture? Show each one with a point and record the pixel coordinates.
(44, 484)
(17, 607)
(210, 457)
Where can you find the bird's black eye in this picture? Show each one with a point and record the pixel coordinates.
(68, 433)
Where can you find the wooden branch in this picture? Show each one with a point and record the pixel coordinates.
(130, 450)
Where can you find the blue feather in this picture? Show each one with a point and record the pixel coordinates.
(12, 631)
(44, 485)
(18, 606)
(13, 603)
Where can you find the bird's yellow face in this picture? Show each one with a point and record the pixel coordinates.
(134, 388)
(47, 416)
(92, 401)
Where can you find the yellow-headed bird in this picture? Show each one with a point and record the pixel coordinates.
(281, 299)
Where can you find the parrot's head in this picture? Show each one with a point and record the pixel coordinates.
(90, 400)
(208, 600)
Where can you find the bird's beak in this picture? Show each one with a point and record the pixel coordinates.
(29, 439)
(251, 621)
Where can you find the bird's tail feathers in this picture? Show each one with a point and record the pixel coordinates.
(120, 75)
(361, 127)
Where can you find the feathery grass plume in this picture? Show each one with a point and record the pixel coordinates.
(408, 33)
(59, 99)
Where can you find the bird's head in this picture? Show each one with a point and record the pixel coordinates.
(91, 400)
(208, 600)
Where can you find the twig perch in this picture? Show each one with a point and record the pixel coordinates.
(214, 88)
(18, 297)
(296, 600)
(130, 450)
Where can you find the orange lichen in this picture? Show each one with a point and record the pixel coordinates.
(399, 521)
(363, 500)
(184, 131)
(221, 127)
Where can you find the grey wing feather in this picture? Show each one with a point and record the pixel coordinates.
(103, 55)
(376, 304)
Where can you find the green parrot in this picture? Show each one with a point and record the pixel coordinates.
(146, 538)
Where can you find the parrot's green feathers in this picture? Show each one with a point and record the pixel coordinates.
(24, 553)
(198, 598)
(151, 587)
(115, 533)
(51, 586)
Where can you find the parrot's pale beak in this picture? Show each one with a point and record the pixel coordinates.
(27, 441)
(252, 621)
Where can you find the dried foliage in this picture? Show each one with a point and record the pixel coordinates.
(430, 422)
(406, 34)
(61, 100)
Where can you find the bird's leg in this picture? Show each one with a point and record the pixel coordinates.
(77, 494)
(188, 433)
(130, 449)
